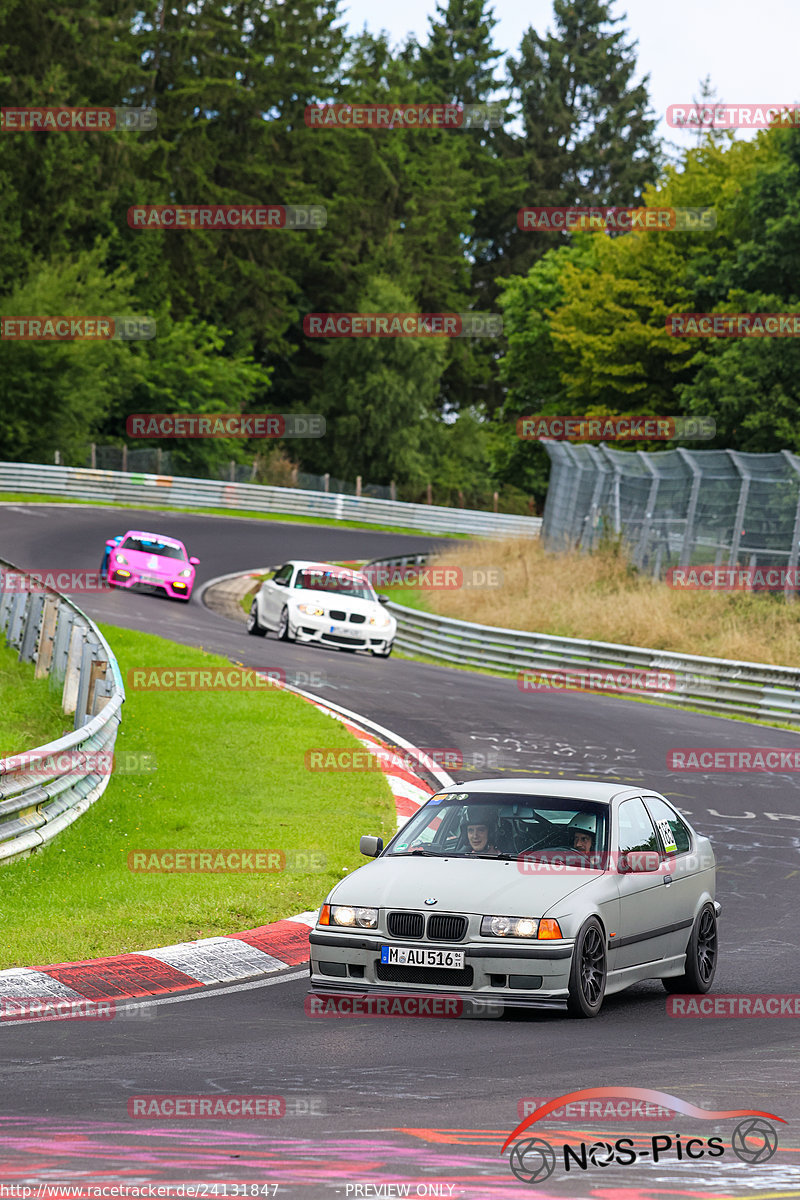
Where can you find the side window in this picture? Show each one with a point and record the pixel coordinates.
(674, 834)
(283, 574)
(636, 830)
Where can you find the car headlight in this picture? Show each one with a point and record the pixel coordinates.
(348, 916)
(380, 621)
(313, 610)
(185, 573)
(521, 927)
(122, 559)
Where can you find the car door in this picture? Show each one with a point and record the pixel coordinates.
(273, 595)
(642, 935)
(684, 876)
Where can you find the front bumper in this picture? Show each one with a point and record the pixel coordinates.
(179, 588)
(325, 632)
(513, 974)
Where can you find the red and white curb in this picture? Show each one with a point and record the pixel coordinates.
(234, 957)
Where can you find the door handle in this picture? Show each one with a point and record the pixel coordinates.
(667, 880)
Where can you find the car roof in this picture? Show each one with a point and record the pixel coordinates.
(573, 789)
(154, 537)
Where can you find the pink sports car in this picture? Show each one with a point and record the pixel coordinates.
(151, 560)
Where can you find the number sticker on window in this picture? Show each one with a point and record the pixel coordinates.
(667, 837)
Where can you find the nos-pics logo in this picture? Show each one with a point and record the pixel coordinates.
(754, 1139)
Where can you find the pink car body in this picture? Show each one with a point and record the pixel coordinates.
(152, 560)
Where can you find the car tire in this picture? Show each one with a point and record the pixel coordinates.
(383, 653)
(284, 631)
(253, 627)
(701, 956)
(589, 970)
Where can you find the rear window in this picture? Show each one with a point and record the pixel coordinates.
(671, 829)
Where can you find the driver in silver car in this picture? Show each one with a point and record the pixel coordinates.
(584, 828)
(481, 831)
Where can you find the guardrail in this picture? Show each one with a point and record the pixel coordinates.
(718, 685)
(42, 791)
(182, 492)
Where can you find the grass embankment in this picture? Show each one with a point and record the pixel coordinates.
(603, 598)
(247, 514)
(229, 774)
(30, 709)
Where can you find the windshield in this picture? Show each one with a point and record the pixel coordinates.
(547, 829)
(148, 546)
(333, 582)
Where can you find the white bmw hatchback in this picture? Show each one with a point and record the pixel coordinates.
(319, 602)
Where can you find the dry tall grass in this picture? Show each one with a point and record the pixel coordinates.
(600, 597)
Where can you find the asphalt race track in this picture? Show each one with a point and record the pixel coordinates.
(426, 1102)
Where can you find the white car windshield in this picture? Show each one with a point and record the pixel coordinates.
(569, 832)
(333, 582)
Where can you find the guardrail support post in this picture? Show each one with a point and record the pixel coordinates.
(691, 512)
(44, 656)
(30, 630)
(18, 610)
(69, 698)
(744, 489)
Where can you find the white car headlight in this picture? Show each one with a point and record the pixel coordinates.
(122, 559)
(510, 927)
(381, 622)
(312, 610)
(185, 573)
(345, 914)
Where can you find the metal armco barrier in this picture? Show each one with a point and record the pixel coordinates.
(180, 492)
(719, 685)
(42, 791)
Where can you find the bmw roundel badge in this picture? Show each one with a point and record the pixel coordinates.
(430, 900)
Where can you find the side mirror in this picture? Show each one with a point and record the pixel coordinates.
(280, 582)
(384, 599)
(370, 846)
(639, 862)
(194, 561)
(111, 542)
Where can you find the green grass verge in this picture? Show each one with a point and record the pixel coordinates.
(284, 518)
(30, 712)
(229, 774)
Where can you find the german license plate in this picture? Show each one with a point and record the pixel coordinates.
(343, 630)
(421, 956)
(151, 579)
